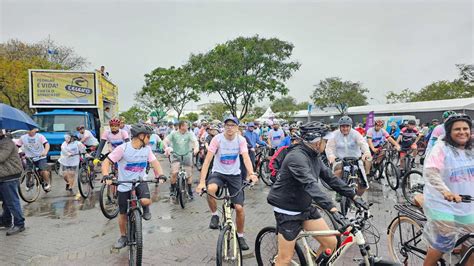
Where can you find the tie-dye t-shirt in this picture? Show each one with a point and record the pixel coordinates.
(456, 168)
(115, 139)
(226, 158)
(131, 163)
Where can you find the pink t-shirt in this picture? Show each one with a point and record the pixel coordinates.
(226, 159)
(115, 139)
(131, 162)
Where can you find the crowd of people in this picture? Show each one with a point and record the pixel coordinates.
(230, 158)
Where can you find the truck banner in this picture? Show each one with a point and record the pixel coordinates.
(50, 88)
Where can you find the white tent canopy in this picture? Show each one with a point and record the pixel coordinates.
(268, 115)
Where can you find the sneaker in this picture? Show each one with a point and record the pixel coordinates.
(47, 187)
(121, 242)
(5, 225)
(242, 243)
(146, 213)
(214, 222)
(15, 230)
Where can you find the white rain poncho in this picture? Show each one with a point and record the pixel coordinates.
(448, 169)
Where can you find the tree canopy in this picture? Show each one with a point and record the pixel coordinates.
(134, 114)
(243, 71)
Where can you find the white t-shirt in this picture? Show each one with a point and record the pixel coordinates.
(378, 137)
(32, 146)
(131, 162)
(276, 136)
(73, 148)
(226, 158)
(114, 139)
(154, 140)
(90, 140)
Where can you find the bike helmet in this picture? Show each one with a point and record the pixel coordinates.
(379, 122)
(70, 135)
(313, 130)
(412, 122)
(333, 126)
(295, 136)
(435, 120)
(293, 126)
(114, 122)
(345, 121)
(448, 113)
(457, 117)
(80, 127)
(138, 128)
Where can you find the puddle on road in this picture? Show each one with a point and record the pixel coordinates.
(160, 229)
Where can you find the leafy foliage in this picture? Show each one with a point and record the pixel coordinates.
(333, 92)
(134, 114)
(192, 116)
(216, 111)
(405, 96)
(244, 71)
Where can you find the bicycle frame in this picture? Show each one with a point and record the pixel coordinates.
(356, 238)
(227, 211)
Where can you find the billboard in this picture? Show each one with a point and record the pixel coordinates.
(53, 88)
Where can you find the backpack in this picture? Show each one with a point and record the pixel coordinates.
(276, 161)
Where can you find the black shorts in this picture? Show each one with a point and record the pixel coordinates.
(42, 164)
(291, 225)
(233, 182)
(123, 197)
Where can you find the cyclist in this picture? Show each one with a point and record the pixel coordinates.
(115, 137)
(275, 137)
(225, 149)
(408, 138)
(394, 130)
(69, 160)
(295, 189)
(377, 137)
(132, 159)
(448, 173)
(287, 140)
(253, 139)
(347, 142)
(182, 142)
(124, 126)
(360, 128)
(86, 137)
(438, 131)
(36, 147)
(155, 143)
(162, 129)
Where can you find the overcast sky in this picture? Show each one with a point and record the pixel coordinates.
(386, 45)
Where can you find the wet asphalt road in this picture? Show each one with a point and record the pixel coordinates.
(64, 229)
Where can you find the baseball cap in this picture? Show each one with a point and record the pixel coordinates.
(233, 119)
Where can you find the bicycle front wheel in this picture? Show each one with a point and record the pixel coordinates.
(108, 201)
(136, 238)
(392, 175)
(181, 193)
(228, 248)
(412, 185)
(29, 188)
(404, 241)
(266, 248)
(345, 205)
(264, 172)
(83, 182)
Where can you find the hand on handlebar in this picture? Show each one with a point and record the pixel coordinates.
(201, 188)
(252, 178)
(108, 179)
(161, 178)
(449, 196)
(339, 218)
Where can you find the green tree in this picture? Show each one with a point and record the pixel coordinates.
(302, 106)
(192, 116)
(284, 104)
(216, 111)
(244, 70)
(333, 92)
(146, 100)
(404, 96)
(170, 87)
(134, 114)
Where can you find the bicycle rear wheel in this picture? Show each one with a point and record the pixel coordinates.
(264, 172)
(108, 201)
(181, 191)
(228, 248)
(345, 205)
(83, 182)
(404, 238)
(412, 185)
(136, 239)
(29, 188)
(266, 248)
(392, 175)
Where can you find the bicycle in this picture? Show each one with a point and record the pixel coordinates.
(86, 176)
(134, 221)
(108, 195)
(409, 161)
(261, 162)
(412, 185)
(307, 256)
(180, 193)
(200, 156)
(405, 236)
(386, 164)
(228, 248)
(351, 175)
(30, 180)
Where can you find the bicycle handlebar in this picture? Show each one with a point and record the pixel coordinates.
(246, 184)
(466, 198)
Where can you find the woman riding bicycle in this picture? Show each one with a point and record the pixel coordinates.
(449, 173)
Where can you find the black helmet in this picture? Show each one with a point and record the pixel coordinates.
(141, 128)
(345, 121)
(295, 136)
(72, 135)
(412, 122)
(333, 126)
(313, 130)
(457, 117)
